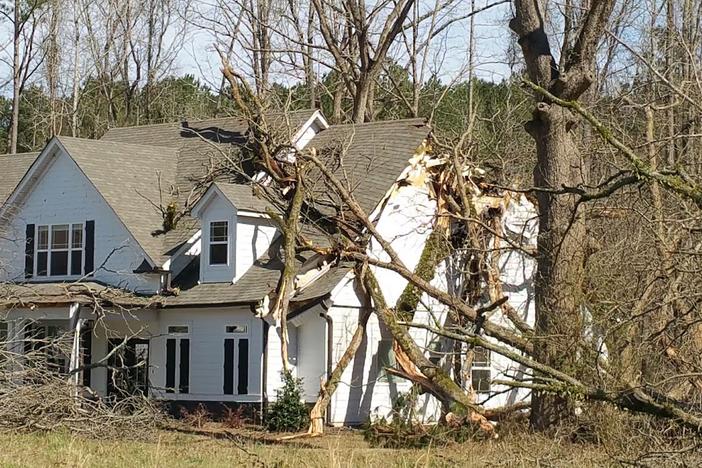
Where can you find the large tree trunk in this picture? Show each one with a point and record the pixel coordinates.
(561, 247)
(562, 235)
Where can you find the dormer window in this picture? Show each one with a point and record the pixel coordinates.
(219, 243)
(59, 250)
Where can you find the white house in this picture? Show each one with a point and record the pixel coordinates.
(83, 247)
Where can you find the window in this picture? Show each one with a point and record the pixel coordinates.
(236, 329)
(480, 371)
(177, 365)
(178, 329)
(178, 359)
(219, 243)
(386, 359)
(236, 350)
(59, 250)
(47, 345)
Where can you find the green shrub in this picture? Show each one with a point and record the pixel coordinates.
(288, 412)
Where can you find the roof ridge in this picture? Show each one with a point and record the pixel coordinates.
(378, 122)
(177, 122)
(110, 142)
(172, 123)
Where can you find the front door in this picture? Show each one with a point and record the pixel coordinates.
(128, 371)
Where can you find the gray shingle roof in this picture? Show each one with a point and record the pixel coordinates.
(367, 158)
(201, 146)
(373, 157)
(323, 285)
(243, 197)
(14, 167)
(133, 179)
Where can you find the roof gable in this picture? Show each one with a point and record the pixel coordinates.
(134, 180)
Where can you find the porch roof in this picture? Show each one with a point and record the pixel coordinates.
(28, 295)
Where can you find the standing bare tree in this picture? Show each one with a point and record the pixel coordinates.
(562, 236)
(24, 16)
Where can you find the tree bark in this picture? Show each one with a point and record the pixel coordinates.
(561, 254)
(562, 234)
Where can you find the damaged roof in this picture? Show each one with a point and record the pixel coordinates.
(35, 294)
(202, 147)
(133, 167)
(367, 158)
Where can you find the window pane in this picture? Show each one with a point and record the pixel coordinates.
(42, 260)
(76, 262)
(236, 329)
(219, 231)
(59, 236)
(77, 237)
(480, 380)
(218, 254)
(178, 329)
(43, 238)
(59, 263)
(386, 359)
(482, 356)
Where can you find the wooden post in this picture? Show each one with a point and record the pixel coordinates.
(75, 323)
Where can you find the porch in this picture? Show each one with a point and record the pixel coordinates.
(193, 355)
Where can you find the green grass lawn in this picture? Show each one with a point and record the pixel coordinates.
(339, 448)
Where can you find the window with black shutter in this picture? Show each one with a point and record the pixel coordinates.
(178, 360)
(236, 360)
(55, 250)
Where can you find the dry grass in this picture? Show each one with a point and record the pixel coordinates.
(341, 448)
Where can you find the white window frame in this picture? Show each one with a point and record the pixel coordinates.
(384, 377)
(178, 333)
(49, 250)
(482, 366)
(226, 242)
(242, 329)
(178, 336)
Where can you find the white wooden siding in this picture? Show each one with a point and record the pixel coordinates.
(254, 236)
(64, 195)
(218, 210)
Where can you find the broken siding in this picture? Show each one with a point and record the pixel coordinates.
(406, 222)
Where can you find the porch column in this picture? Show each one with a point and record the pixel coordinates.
(74, 323)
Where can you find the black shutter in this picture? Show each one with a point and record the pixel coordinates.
(29, 252)
(89, 247)
(184, 365)
(170, 364)
(243, 381)
(86, 345)
(228, 366)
